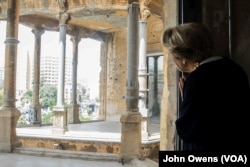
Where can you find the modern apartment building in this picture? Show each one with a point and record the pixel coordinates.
(49, 69)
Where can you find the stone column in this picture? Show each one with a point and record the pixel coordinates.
(103, 78)
(131, 119)
(9, 115)
(73, 109)
(143, 90)
(156, 105)
(35, 106)
(60, 111)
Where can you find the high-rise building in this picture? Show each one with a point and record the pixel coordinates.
(49, 70)
(49, 73)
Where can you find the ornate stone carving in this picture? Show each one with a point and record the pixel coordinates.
(146, 2)
(145, 153)
(75, 38)
(149, 150)
(37, 31)
(62, 5)
(63, 18)
(145, 12)
(57, 120)
(132, 1)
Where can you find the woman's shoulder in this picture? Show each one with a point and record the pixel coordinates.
(233, 65)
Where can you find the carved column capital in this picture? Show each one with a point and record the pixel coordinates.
(145, 12)
(75, 35)
(63, 18)
(146, 2)
(75, 39)
(133, 1)
(37, 31)
(62, 5)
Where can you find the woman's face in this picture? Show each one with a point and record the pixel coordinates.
(183, 64)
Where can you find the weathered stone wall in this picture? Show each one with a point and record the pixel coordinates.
(116, 63)
(154, 32)
(169, 97)
(149, 150)
(116, 76)
(52, 4)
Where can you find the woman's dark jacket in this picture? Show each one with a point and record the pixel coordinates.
(215, 108)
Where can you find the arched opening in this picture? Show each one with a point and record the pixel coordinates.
(88, 68)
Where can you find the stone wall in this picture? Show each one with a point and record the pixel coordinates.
(116, 64)
(154, 32)
(149, 150)
(116, 76)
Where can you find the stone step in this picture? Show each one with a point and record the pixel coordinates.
(44, 152)
(85, 156)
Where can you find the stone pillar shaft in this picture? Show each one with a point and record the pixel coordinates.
(143, 90)
(73, 109)
(156, 108)
(75, 40)
(60, 111)
(132, 86)
(37, 54)
(9, 115)
(36, 80)
(143, 62)
(61, 74)
(131, 119)
(11, 42)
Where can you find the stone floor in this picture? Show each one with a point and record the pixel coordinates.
(98, 130)
(18, 160)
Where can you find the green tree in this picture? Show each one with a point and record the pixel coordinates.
(48, 95)
(48, 118)
(1, 84)
(27, 97)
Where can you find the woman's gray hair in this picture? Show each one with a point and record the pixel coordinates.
(192, 41)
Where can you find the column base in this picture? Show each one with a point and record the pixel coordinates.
(37, 117)
(59, 131)
(131, 136)
(36, 123)
(145, 123)
(73, 114)
(8, 121)
(9, 147)
(144, 128)
(60, 120)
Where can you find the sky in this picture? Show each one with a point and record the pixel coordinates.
(88, 53)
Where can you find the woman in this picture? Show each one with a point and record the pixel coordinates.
(216, 93)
